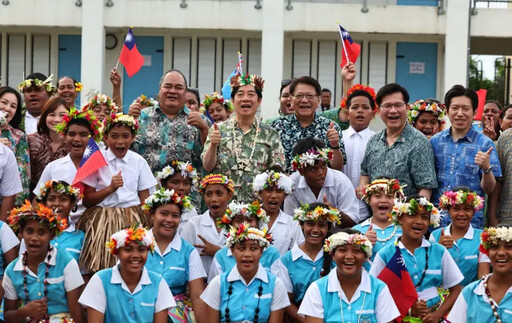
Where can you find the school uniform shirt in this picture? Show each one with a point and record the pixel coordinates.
(286, 233)
(244, 298)
(107, 293)
(185, 216)
(204, 226)
(444, 272)
(178, 264)
(338, 188)
(479, 309)
(63, 276)
(10, 181)
(371, 302)
(136, 175)
(224, 260)
(71, 240)
(30, 123)
(8, 240)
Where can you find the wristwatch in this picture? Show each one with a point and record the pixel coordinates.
(488, 170)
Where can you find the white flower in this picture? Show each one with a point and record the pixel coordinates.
(3, 119)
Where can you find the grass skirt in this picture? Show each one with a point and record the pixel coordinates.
(98, 224)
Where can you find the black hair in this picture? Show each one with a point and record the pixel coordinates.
(410, 197)
(284, 83)
(326, 90)
(54, 187)
(465, 189)
(16, 119)
(504, 111)
(235, 89)
(497, 103)
(37, 75)
(67, 77)
(195, 91)
(119, 125)
(326, 265)
(303, 145)
(180, 73)
(389, 89)
(80, 122)
(459, 90)
(305, 80)
(360, 93)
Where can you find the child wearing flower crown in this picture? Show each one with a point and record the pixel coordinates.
(316, 182)
(201, 231)
(236, 214)
(427, 116)
(101, 106)
(114, 193)
(128, 292)
(489, 299)
(176, 260)
(246, 292)
(429, 264)
(307, 262)
(46, 280)
(215, 106)
(459, 237)
(272, 188)
(348, 293)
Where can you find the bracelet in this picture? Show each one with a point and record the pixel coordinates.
(332, 147)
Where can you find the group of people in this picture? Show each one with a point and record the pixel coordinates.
(209, 213)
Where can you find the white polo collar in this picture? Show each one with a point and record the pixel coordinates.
(110, 156)
(207, 220)
(70, 228)
(480, 290)
(367, 222)
(333, 286)
(117, 279)
(468, 235)
(174, 244)
(19, 263)
(297, 253)
(424, 244)
(261, 274)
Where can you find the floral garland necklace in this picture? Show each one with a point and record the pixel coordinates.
(46, 274)
(493, 303)
(389, 237)
(241, 166)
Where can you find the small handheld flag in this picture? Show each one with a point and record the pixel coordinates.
(351, 50)
(226, 89)
(130, 57)
(91, 161)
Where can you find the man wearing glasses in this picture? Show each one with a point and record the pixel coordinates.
(399, 151)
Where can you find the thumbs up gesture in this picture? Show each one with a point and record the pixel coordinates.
(333, 136)
(446, 240)
(326, 201)
(371, 234)
(482, 159)
(215, 136)
(116, 182)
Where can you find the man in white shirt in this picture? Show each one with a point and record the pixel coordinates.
(10, 182)
(36, 89)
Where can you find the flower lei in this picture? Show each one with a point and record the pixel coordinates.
(185, 168)
(145, 101)
(216, 179)
(246, 210)
(78, 87)
(343, 238)
(245, 232)
(247, 79)
(309, 158)
(164, 196)
(94, 124)
(18, 217)
(426, 106)
(98, 99)
(136, 233)
(118, 118)
(272, 179)
(385, 185)
(304, 213)
(492, 235)
(357, 87)
(60, 188)
(3, 119)
(46, 84)
(451, 198)
(412, 207)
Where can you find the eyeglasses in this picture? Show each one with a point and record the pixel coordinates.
(397, 105)
(301, 96)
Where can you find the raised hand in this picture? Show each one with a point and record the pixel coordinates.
(348, 72)
(215, 136)
(482, 159)
(333, 136)
(208, 248)
(135, 108)
(371, 234)
(446, 240)
(116, 182)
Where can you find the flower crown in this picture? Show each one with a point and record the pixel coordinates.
(94, 123)
(492, 235)
(310, 157)
(61, 188)
(78, 87)
(357, 87)
(386, 185)
(216, 179)
(118, 118)
(246, 210)
(272, 179)
(412, 207)
(46, 84)
(164, 196)
(245, 232)
(184, 168)
(145, 101)
(18, 217)
(305, 213)
(3, 119)
(98, 99)
(343, 238)
(426, 106)
(136, 233)
(216, 97)
(451, 198)
(247, 79)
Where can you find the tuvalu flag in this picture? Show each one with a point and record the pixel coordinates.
(351, 50)
(226, 89)
(91, 161)
(130, 57)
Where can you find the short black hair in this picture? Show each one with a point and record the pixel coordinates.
(195, 91)
(235, 89)
(326, 90)
(360, 93)
(392, 88)
(54, 187)
(16, 119)
(465, 189)
(305, 80)
(303, 145)
(37, 75)
(502, 114)
(497, 103)
(284, 83)
(459, 90)
(80, 122)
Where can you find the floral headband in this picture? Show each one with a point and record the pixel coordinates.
(61, 188)
(18, 217)
(98, 99)
(216, 179)
(343, 238)
(412, 207)
(426, 106)
(305, 213)
(3, 119)
(184, 168)
(145, 101)
(46, 84)
(272, 179)
(118, 118)
(246, 210)
(78, 87)
(94, 123)
(247, 79)
(164, 196)
(245, 232)
(136, 233)
(492, 235)
(451, 198)
(216, 97)
(360, 87)
(309, 158)
(385, 185)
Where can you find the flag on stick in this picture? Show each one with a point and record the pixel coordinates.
(130, 57)
(351, 50)
(226, 89)
(91, 161)
(482, 94)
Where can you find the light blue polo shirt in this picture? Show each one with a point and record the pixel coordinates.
(71, 240)
(224, 260)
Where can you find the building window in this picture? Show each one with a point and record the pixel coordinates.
(206, 61)
(301, 58)
(15, 59)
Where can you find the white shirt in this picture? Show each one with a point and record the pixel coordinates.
(212, 297)
(94, 295)
(185, 216)
(286, 233)
(8, 239)
(10, 181)
(136, 175)
(338, 188)
(31, 123)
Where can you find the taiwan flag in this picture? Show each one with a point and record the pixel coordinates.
(351, 50)
(130, 57)
(400, 284)
(91, 161)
